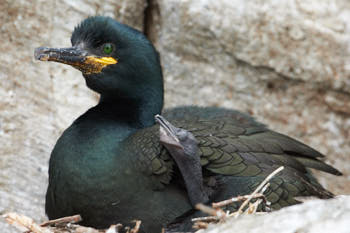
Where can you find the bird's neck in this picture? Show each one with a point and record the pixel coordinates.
(136, 111)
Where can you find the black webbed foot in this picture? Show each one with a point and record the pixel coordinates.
(183, 147)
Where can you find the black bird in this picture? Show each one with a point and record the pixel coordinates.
(110, 166)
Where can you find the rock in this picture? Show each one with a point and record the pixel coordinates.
(314, 216)
(285, 62)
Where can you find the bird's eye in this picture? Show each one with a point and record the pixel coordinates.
(107, 48)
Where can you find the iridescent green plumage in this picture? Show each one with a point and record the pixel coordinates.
(233, 144)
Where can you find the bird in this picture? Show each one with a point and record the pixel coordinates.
(113, 165)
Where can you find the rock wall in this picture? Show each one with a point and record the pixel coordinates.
(311, 217)
(287, 62)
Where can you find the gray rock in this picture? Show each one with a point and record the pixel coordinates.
(316, 216)
(285, 62)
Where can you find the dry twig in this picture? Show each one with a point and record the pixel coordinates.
(213, 212)
(253, 207)
(235, 199)
(114, 228)
(205, 219)
(64, 220)
(62, 225)
(136, 227)
(261, 186)
(76, 229)
(200, 225)
(24, 223)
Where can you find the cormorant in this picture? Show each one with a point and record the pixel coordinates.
(110, 165)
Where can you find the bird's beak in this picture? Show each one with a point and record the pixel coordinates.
(75, 57)
(167, 132)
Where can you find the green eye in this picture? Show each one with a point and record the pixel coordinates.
(108, 48)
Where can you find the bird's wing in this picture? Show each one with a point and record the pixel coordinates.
(230, 144)
(231, 149)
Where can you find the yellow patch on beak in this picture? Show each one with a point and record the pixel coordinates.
(102, 60)
(96, 64)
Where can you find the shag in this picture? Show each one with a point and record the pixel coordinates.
(112, 165)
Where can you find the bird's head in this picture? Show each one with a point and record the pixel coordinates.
(115, 60)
